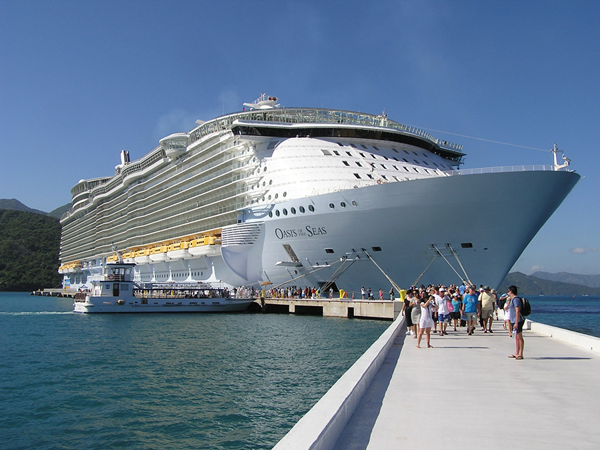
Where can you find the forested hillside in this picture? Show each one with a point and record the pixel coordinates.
(29, 247)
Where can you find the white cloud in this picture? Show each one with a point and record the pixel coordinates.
(537, 268)
(583, 250)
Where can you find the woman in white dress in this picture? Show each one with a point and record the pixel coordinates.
(507, 317)
(426, 321)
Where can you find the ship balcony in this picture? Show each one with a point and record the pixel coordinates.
(174, 145)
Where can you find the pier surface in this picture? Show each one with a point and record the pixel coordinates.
(466, 393)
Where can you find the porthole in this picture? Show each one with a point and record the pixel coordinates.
(284, 212)
(343, 204)
(269, 197)
(302, 210)
(277, 213)
(276, 195)
(331, 205)
(270, 182)
(293, 210)
(270, 213)
(311, 208)
(285, 194)
(264, 183)
(354, 203)
(265, 169)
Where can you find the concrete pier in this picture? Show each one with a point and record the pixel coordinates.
(371, 309)
(463, 393)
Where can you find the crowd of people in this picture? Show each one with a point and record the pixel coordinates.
(438, 308)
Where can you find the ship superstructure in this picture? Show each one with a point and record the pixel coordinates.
(305, 196)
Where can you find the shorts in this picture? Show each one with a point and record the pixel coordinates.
(518, 327)
(487, 314)
(455, 315)
(471, 317)
(444, 318)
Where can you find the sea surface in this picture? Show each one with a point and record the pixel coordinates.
(580, 314)
(158, 381)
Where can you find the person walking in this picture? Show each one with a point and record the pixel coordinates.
(406, 312)
(470, 307)
(441, 302)
(517, 320)
(426, 321)
(507, 321)
(456, 306)
(415, 312)
(487, 300)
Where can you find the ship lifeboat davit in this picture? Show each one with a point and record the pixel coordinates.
(174, 145)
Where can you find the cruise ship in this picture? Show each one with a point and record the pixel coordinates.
(279, 196)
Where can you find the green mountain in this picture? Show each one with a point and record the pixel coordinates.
(531, 285)
(29, 248)
(58, 212)
(565, 277)
(16, 205)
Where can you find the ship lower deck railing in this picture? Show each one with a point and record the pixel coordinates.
(528, 168)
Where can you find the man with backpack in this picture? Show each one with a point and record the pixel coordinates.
(517, 319)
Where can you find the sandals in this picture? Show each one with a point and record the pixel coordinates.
(518, 357)
(431, 346)
(513, 356)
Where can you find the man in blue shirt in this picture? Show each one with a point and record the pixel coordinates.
(517, 320)
(470, 308)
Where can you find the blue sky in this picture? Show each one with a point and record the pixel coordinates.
(80, 81)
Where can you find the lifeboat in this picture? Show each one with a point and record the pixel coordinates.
(178, 250)
(142, 257)
(159, 253)
(208, 246)
(129, 257)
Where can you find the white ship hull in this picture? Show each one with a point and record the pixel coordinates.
(210, 305)
(488, 219)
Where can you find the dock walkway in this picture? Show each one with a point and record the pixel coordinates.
(465, 393)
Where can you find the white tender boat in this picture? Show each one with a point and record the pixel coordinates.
(116, 292)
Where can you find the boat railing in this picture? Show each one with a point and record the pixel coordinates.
(502, 169)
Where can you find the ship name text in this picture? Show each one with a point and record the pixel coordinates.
(307, 231)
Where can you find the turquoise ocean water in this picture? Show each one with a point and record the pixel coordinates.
(580, 314)
(150, 381)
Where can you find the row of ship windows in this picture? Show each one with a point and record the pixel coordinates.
(376, 148)
(335, 152)
(181, 274)
(311, 208)
(346, 163)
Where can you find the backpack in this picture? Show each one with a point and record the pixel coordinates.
(526, 308)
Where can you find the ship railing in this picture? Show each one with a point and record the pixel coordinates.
(313, 115)
(502, 169)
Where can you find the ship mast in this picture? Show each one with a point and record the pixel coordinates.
(555, 152)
